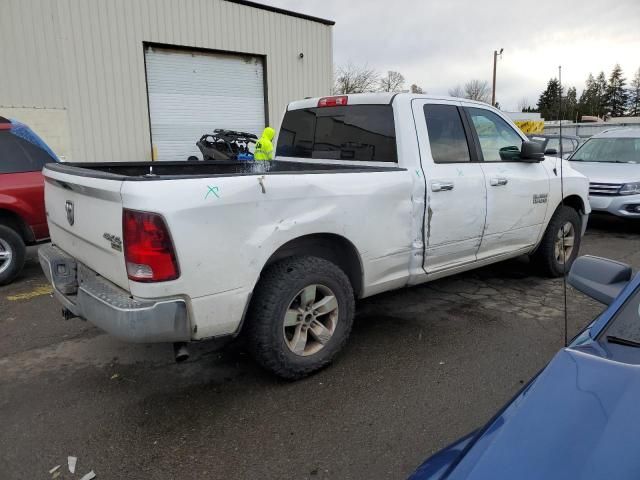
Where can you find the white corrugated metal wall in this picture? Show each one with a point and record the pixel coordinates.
(86, 59)
(192, 93)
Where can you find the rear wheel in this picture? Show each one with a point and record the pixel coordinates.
(300, 316)
(561, 242)
(12, 254)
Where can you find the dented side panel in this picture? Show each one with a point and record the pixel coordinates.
(225, 229)
(454, 218)
(409, 155)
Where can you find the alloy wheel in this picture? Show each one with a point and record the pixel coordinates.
(565, 240)
(310, 320)
(6, 255)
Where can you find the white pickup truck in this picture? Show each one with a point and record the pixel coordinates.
(368, 193)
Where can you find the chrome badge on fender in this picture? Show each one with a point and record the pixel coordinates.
(540, 197)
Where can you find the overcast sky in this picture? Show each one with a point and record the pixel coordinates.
(438, 44)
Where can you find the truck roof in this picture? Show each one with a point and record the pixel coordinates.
(374, 98)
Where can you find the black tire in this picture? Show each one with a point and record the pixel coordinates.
(9, 237)
(545, 255)
(278, 286)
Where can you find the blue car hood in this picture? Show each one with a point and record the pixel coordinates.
(579, 419)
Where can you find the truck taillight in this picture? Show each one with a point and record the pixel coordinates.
(148, 249)
(333, 101)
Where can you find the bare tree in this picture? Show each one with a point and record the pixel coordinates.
(456, 91)
(392, 82)
(477, 90)
(355, 79)
(416, 89)
(523, 104)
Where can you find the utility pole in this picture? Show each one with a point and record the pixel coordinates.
(495, 61)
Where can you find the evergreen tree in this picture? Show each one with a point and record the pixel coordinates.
(549, 100)
(601, 95)
(588, 103)
(570, 105)
(634, 96)
(616, 95)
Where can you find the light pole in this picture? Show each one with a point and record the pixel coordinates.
(495, 61)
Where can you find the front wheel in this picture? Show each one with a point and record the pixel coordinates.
(561, 242)
(300, 316)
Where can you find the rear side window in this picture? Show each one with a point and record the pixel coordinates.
(353, 132)
(18, 155)
(446, 134)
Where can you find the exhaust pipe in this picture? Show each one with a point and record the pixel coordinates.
(68, 314)
(180, 351)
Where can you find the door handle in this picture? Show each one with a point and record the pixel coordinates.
(498, 181)
(441, 186)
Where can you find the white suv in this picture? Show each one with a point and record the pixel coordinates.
(611, 161)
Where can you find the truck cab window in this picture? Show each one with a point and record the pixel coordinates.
(446, 134)
(498, 140)
(353, 132)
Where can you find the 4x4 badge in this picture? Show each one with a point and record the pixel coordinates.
(70, 214)
(116, 242)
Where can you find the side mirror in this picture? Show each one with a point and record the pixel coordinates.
(509, 154)
(531, 152)
(551, 151)
(600, 278)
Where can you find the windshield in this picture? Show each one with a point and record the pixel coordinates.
(626, 324)
(609, 150)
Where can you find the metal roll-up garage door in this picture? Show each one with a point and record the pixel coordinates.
(192, 93)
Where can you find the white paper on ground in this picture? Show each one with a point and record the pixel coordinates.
(89, 476)
(71, 461)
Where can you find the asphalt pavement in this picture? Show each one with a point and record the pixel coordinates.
(423, 367)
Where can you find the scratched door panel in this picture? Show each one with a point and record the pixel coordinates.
(515, 211)
(456, 203)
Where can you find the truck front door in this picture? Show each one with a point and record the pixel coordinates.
(516, 191)
(455, 184)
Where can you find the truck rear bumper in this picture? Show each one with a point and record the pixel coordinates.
(92, 297)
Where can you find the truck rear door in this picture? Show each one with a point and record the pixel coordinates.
(456, 192)
(85, 220)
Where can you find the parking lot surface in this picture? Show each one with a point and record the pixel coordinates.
(423, 366)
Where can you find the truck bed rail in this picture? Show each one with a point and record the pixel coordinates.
(180, 170)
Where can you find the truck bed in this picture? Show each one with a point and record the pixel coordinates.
(179, 170)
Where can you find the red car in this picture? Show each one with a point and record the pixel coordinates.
(23, 220)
